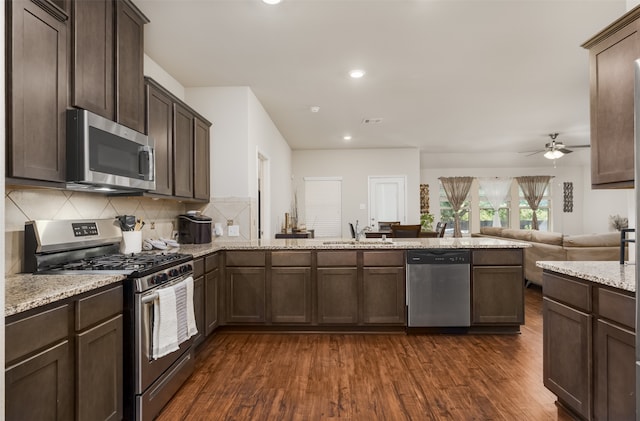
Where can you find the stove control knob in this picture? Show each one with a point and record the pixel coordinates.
(174, 272)
(185, 268)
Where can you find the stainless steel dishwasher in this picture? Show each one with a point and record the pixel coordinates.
(439, 288)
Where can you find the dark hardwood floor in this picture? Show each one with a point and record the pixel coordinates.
(247, 376)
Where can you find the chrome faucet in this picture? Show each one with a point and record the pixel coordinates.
(360, 233)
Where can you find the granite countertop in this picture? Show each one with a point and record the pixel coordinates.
(611, 273)
(27, 291)
(199, 250)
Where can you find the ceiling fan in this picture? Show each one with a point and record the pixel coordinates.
(556, 149)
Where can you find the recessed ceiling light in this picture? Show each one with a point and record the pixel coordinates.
(271, 1)
(356, 73)
(347, 137)
(314, 108)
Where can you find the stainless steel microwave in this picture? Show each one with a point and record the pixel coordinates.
(107, 156)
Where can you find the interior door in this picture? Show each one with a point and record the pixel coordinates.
(387, 199)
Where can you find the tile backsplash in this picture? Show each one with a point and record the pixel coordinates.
(160, 215)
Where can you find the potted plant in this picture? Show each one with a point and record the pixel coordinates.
(426, 220)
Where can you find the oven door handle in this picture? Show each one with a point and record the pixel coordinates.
(152, 296)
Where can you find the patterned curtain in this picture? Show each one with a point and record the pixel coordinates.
(496, 190)
(456, 189)
(533, 188)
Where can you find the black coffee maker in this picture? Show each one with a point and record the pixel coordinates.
(194, 229)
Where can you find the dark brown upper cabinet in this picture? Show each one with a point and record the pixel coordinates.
(107, 60)
(611, 56)
(181, 138)
(37, 79)
(130, 65)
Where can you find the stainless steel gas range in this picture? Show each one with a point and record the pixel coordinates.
(92, 246)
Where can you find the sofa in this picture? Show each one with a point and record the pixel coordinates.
(557, 247)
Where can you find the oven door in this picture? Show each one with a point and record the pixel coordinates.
(147, 369)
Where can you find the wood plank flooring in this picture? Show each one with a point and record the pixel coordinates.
(246, 376)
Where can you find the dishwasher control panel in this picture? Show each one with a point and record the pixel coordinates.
(438, 257)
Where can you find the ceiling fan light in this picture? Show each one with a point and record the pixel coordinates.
(553, 154)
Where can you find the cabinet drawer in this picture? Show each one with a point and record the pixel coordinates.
(212, 261)
(383, 258)
(35, 332)
(497, 257)
(245, 258)
(98, 307)
(198, 267)
(291, 258)
(337, 258)
(574, 293)
(617, 307)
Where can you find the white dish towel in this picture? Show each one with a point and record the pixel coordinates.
(174, 319)
(165, 324)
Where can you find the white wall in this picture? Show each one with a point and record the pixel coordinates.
(632, 3)
(242, 129)
(591, 208)
(355, 166)
(157, 73)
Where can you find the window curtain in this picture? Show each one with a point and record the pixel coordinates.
(456, 189)
(533, 188)
(496, 190)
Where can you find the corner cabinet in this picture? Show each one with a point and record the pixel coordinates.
(611, 56)
(65, 361)
(182, 145)
(589, 347)
(245, 279)
(37, 76)
(497, 287)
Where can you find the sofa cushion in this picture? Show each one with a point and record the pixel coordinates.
(495, 231)
(522, 235)
(609, 239)
(553, 238)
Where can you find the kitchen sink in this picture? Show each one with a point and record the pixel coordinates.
(368, 242)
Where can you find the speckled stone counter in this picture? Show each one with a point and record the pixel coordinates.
(199, 250)
(612, 274)
(26, 291)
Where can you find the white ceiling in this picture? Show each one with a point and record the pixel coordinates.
(444, 76)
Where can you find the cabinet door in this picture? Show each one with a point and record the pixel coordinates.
(160, 128)
(182, 151)
(93, 57)
(201, 161)
(290, 295)
(198, 309)
(129, 65)
(497, 295)
(212, 279)
(567, 355)
(246, 294)
(612, 108)
(41, 387)
(615, 387)
(37, 74)
(337, 295)
(99, 376)
(383, 297)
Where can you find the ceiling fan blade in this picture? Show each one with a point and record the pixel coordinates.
(564, 150)
(532, 153)
(578, 146)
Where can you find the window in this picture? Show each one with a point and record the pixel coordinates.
(447, 214)
(543, 212)
(487, 212)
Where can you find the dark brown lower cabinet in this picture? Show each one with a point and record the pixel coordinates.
(290, 295)
(41, 387)
(383, 298)
(337, 295)
(567, 338)
(246, 294)
(99, 373)
(498, 296)
(615, 385)
(211, 285)
(198, 309)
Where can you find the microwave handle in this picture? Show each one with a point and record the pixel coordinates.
(145, 162)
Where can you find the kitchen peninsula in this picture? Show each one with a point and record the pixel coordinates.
(589, 337)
